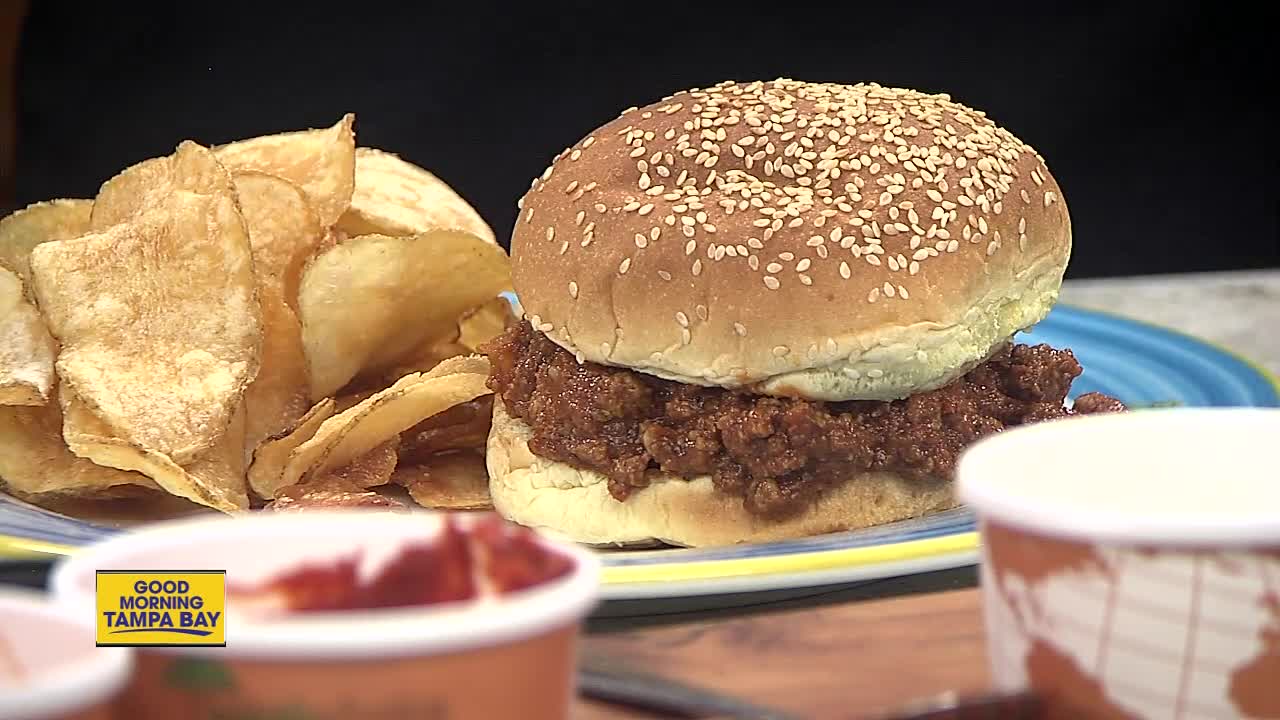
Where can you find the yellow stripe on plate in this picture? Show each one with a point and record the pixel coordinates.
(12, 547)
(786, 564)
(20, 548)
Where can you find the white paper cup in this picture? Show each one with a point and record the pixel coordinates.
(1131, 562)
(49, 666)
(511, 656)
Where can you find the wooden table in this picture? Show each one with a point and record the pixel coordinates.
(835, 661)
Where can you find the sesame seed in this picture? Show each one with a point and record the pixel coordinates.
(624, 266)
(902, 293)
(781, 351)
(682, 319)
(1049, 197)
(740, 329)
(697, 268)
(873, 295)
(587, 143)
(664, 275)
(551, 234)
(573, 290)
(771, 282)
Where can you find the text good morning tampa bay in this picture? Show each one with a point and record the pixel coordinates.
(153, 608)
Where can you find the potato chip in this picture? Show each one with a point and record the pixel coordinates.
(283, 227)
(283, 230)
(158, 321)
(278, 396)
(271, 456)
(348, 400)
(27, 351)
(300, 500)
(11, 291)
(369, 302)
(425, 359)
(395, 197)
(485, 323)
(34, 460)
(386, 414)
(39, 223)
(320, 162)
(215, 479)
(450, 481)
(462, 427)
(151, 184)
(372, 469)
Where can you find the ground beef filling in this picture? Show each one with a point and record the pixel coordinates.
(777, 454)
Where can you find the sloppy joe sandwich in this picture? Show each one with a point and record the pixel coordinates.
(776, 309)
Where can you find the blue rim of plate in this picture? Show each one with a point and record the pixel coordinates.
(1173, 367)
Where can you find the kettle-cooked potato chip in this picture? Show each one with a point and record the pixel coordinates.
(215, 479)
(386, 414)
(39, 223)
(371, 301)
(395, 197)
(10, 291)
(158, 321)
(372, 469)
(34, 460)
(449, 481)
(151, 184)
(485, 323)
(271, 456)
(283, 230)
(320, 162)
(27, 351)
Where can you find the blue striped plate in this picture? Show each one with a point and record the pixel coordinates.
(1138, 363)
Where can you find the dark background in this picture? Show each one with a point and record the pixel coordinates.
(1151, 117)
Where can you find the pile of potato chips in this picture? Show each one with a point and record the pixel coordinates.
(289, 319)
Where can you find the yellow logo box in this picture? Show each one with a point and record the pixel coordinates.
(161, 608)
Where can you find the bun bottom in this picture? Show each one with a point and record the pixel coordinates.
(576, 505)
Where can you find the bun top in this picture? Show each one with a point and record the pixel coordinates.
(826, 241)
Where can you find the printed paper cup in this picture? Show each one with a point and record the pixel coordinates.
(511, 656)
(1131, 562)
(49, 666)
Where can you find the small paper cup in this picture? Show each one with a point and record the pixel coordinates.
(49, 666)
(512, 656)
(1131, 562)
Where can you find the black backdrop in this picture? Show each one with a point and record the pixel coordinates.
(1152, 118)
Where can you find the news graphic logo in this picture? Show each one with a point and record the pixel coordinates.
(161, 608)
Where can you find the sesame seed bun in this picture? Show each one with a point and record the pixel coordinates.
(831, 242)
(575, 504)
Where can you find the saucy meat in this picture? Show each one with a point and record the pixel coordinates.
(777, 454)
